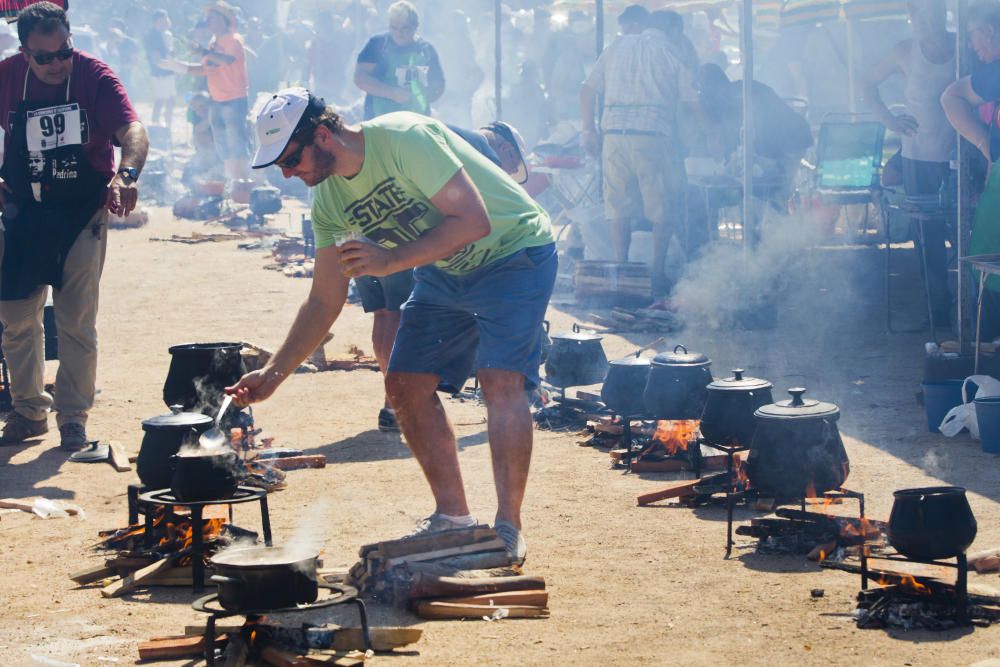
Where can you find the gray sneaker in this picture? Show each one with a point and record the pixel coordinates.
(436, 523)
(511, 536)
(72, 437)
(19, 428)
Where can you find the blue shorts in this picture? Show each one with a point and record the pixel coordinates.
(229, 128)
(489, 318)
(386, 293)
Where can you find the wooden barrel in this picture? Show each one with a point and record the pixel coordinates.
(613, 283)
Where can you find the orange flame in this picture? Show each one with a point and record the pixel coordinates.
(675, 434)
(907, 582)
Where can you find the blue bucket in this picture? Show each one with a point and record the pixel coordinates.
(940, 396)
(988, 416)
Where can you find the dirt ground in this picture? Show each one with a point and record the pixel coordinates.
(628, 585)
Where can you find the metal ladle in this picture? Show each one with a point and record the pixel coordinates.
(214, 437)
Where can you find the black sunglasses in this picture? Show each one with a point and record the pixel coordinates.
(46, 58)
(304, 135)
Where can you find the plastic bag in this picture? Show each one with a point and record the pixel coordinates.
(964, 415)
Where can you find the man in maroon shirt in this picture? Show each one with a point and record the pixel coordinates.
(62, 112)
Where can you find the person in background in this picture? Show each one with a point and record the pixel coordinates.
(485, 263)
(55, 201)
(224, 66)
(972, 105)
(326, 55)
(927, 63)
(639, 145)
(397, 70)
(159, 45)
(123, 51)
(781, 136)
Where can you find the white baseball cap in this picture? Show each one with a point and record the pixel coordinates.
(509, 133)
(276, 121)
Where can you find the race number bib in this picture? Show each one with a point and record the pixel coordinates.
(53, 127)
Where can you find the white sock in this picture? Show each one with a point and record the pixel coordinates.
(463, 521)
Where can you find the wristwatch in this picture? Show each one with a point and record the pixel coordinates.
(129, 174)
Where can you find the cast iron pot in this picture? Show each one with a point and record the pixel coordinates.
(164, 436)
(199, 372)
(728, 417)
(796, 451)
(264, 578)
(624, 385)
(204, 474)
(932, 522)
(676, 388)
(575, 358)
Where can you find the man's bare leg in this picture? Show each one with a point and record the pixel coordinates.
(384, 330)
(430, 437)
(510, 431)
(621, 238)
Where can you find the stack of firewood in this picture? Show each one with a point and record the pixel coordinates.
(463, 573)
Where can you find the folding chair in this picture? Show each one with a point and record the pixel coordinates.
(849, 162)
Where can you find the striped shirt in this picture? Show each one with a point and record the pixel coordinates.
(639, 78)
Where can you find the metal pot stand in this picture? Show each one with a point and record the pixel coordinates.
(338, 594)
(243, 494)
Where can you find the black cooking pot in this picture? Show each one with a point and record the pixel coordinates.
(624, 385)
(931, 523)
(265, 200)
(199, 372)
(575, 358)
(728, 417)
(164, 436)
(796, 451)
(676, 387)
(204, 474)
(264, 578)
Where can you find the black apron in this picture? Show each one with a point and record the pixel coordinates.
(56, 192)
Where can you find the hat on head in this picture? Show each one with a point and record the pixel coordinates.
(277, 120)
(634, 14)
(510, 134)
(227, 11)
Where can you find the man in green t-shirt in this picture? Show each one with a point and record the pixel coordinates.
(403, 191)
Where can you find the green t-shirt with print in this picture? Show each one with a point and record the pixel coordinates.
(408, 159)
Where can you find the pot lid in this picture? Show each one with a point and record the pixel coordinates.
(577, 334)
(631, 360)
(177, 419)
(681, 357)
(797, 407)
(739, 383)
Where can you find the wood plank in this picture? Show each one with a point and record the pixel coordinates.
(296, 462)
(92, 574)
(525, 598)
(985, 561)
(130, 581)
(383, 639)
(118, 457)
(678, 490)
(445, 610)
(440, 540)
(496, 544)
(177, 646)
(666, 465)
(279, 657)
(428, 586)
(27, 505)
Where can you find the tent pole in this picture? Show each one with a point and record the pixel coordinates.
(599, 10)
(498, 57)
(746, 59)
(962, 167)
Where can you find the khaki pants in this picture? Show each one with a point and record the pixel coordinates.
(76, 322)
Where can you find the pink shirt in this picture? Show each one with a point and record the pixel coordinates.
(228, 82)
